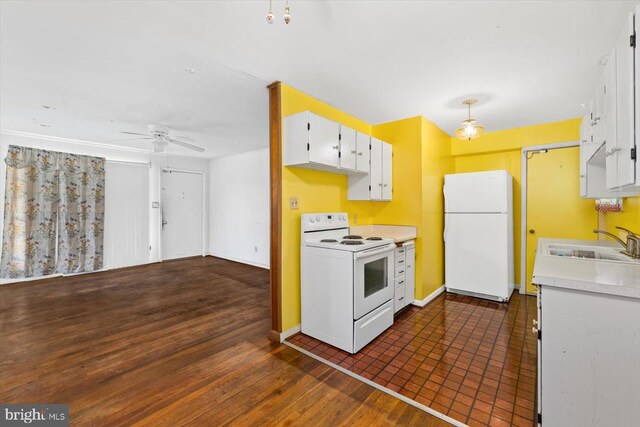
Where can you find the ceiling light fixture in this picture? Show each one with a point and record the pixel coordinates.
(469, 129)
(270, 16)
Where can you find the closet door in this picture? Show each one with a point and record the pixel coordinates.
(126, 225)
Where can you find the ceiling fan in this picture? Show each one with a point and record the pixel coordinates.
(160, 138)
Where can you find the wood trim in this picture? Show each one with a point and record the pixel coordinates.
(275, 182)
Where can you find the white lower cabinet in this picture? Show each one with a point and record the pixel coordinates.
(588, 358)
(404, 275)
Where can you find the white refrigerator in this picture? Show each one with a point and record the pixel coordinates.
(478, 234)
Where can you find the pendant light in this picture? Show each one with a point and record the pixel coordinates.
(287, 14)
(469, 130)
(270, 16)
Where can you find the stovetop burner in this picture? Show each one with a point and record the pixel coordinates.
(329, 241)
(352, 237)
(374, 238)
(352, 242)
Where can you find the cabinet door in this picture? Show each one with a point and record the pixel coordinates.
(375, 175)
(597, 114)
(610, 120)
(387, 168)
(410, 278)
(625, 138)
(347, 148)
(324, 143)
(362, 155)
(584, 141)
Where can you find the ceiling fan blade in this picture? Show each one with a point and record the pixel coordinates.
(187, 138)
(135, 133)
(187, 145)
(129, 139)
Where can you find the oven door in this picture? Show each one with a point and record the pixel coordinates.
(373, 279)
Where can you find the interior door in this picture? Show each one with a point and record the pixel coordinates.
(347, 148)
(554, 206)
(182, 214)
(362, 148)
(324, 143)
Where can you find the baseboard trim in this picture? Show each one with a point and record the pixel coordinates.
(429, 298)
(240, 260)
(289, 332)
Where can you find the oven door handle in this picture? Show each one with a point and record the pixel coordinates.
(372, 252)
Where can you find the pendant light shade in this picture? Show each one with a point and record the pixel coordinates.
(469, 130)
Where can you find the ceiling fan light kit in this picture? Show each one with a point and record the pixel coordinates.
(469, 130)
(160, 139)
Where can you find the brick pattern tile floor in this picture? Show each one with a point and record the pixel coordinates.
(471, 359)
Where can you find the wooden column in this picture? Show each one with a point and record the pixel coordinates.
(275, 181)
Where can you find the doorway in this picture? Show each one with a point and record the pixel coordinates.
(551, 200)
(182, 214)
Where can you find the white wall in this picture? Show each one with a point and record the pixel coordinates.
(157, 161)
(239, 207)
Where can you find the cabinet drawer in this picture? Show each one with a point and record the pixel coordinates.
(399, 300)
(372, 325)
(400, 252)
(400, 281)
(400, 261)
(400, 271)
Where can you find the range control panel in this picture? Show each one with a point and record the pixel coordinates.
(324, 221)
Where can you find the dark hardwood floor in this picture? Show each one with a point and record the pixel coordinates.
(177, 343)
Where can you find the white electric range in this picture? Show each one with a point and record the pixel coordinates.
(346, 282)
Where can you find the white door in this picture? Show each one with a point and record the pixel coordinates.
(126, 214)
(362, 148)
(347, 148)
(477, 192)
(624, 105)
(387, 161)
(324, 143)
(182, 213)
(476, 253)
(375, 175)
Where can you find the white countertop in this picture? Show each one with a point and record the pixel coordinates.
(606, 277)
(399, 233)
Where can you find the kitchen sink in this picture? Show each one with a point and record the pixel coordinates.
(596, 253)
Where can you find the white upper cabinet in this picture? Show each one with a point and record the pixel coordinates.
(348, 152)
(362, 156)
(377, 185)
(387, 160)
(610, 119)
(625, 138)
(311, 141)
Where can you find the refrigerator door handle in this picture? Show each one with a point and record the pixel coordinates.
(444, 192)
(446, 220)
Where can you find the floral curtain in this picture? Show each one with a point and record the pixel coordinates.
(53, 213)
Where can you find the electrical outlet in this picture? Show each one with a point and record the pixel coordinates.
(293, 203)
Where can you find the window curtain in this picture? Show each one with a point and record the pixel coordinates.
(53, 213)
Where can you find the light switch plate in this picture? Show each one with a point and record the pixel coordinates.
(293, 203)
(155, 205)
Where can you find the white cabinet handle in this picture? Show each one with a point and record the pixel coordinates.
(380, 185)
(360, 153)
(335, 147)
(385, 185)
(353, 151)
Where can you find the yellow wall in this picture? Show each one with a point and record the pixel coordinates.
(502, 150)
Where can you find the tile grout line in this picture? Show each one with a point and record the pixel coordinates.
(379, 387)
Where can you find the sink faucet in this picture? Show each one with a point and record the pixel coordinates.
(632, 245)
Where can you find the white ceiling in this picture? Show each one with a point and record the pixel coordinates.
(111, 66)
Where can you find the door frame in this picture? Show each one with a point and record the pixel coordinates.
(204, 193)
(523, 208)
